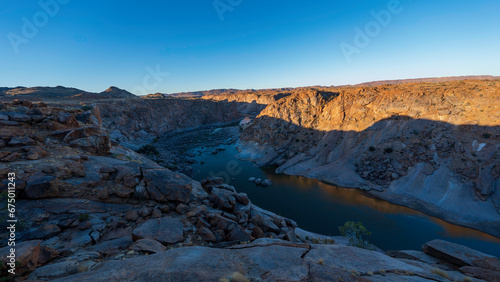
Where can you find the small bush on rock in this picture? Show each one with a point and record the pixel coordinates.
(355, 231)
(149, 150)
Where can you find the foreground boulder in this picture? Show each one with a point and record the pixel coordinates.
(27, 256)
(165, 230)
(165, 185)
(457, 254)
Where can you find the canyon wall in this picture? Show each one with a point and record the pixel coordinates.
(429, 146)
(249, 103)
(133, 123)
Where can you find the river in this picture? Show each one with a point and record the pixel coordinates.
(321, 208)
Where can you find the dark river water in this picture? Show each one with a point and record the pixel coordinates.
(321, 208)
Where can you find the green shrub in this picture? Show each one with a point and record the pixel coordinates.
(486, 135)
(371, 149)
(84, 217)
(388, 150)
(149, 150)
(355, 231)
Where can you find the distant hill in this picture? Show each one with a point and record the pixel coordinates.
(60, 92)
(429, 80)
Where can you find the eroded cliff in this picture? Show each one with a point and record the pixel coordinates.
(430, 146)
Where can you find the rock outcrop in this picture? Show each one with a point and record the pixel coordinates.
(432, 147)
(133, 124)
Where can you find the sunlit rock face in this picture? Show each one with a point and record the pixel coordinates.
(430, 146)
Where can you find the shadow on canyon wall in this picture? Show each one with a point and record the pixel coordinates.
(445, 170)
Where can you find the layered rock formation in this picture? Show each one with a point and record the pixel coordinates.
(136, 123)
(433, 146)
(249, 102)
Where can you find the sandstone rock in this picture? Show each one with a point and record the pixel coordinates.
(164, 185)
(113, 246)
(132, 216)
(145, 211)
(481, 273)
(66, 118)
(258, 181)
(27, 255)
(103, 194)
(264, 223)
(165, 208)
(182, 208)
(206, 234)
(80, 133)
(84, 225)
(39, 187)
(47, 254)
(19, 117)
(54, 271)
(21, 141)
(222, 199)
(156, 213)
(34, 152)
(11, 157)
(257, 232)
(266, 182)
(4, 154)
(45, 232)
(242, 198)
(223, 223)
(165, 230)
(4, 116)
(106, 169)
(455, 253)
(251, 179)
(147, 245)
(238, 234)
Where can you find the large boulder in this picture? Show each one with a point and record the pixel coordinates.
(26, 256)
(21, 141)
(147, 245)
(223, 199)
(40, 186)
(163, 185)
(19, 117)
(456, 254)
(165, 230)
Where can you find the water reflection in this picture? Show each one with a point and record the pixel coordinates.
(321, 208)
(354, 197)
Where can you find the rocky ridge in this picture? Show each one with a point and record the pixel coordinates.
(433, 147)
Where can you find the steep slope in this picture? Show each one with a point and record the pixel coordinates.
(134, 123)
(250, 102)
(433, 146)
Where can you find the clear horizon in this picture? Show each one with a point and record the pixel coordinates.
(202, 45)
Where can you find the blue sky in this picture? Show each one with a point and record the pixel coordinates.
(256, 44)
